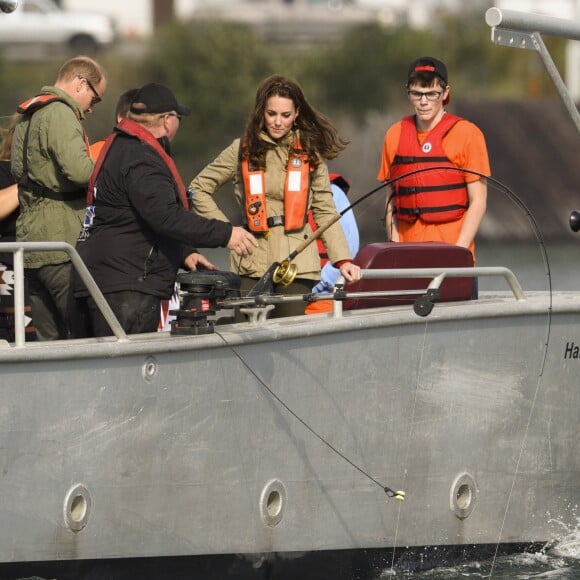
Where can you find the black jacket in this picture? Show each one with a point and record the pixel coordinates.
(140, 233)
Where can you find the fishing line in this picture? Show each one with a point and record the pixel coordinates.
(409, 434)
(516, 472)
(537, 232)
(514, 198)
(540, 238)
(388, 182)
(399, 495)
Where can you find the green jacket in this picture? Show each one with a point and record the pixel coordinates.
(278, 245)
(58, 160)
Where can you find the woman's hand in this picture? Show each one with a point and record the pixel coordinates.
(350, 271)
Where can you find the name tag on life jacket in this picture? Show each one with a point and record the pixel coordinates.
(256, 183)
(294, 180)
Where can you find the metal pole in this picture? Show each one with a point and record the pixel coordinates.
(19, 320)
(556, 79)
(520, 30)
(525, 22)
(573, 60)
(17, 248)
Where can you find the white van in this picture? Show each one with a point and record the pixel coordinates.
(43, 23)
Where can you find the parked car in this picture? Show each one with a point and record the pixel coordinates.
(8, 5)
(42, 22)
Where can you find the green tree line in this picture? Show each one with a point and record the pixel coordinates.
(356, 79)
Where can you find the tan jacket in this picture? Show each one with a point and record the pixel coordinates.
(278, 245)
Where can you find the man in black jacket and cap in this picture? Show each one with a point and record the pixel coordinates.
(138, 230)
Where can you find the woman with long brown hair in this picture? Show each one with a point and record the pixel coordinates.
(279, 172)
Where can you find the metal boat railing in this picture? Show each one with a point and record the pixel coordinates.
(437, 275)
(521, 30)
(18, 249)
(428, 295)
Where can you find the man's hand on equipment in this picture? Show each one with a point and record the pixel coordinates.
(195, 260)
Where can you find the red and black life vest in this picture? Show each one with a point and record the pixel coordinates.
(435, 196)
(296, 188)
(132, 128)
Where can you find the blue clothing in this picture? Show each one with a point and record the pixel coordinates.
(330, 274)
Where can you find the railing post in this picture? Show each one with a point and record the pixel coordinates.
(19, 315)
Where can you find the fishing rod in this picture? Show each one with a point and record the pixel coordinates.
(341, 295)
(285, 271)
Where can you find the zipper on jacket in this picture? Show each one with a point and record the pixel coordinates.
(145, 265)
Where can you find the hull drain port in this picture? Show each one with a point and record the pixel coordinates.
(273, 502)
(463, 495)
(149, 368)
(77, 507)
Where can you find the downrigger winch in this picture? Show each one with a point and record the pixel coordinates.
(200, 296)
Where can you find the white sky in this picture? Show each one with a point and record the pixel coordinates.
(134, 17)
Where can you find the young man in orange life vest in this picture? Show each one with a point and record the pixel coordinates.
(439, 205)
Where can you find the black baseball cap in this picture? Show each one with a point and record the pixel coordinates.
(156, 98)
(428, 64)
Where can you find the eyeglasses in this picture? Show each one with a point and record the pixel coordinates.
(429, 95)
(175, 115)
(97, 98)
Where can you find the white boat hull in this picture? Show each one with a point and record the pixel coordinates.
(204, 445)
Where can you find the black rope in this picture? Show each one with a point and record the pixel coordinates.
(400, 495)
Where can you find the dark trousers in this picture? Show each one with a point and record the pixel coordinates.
(135, 311)
(293, 308)
(7, 322)
(51, 301)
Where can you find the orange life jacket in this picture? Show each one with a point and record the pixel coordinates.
(32, 105)
(29, 107)
(435, 196)
(296, 191)
(95, 149)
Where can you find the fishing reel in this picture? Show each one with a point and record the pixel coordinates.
(575, 221)
(285, 273)
(200, 296)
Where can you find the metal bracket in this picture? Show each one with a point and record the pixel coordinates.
(512, 38)
(520, 30)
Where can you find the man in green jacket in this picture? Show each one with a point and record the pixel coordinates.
(51, 163)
